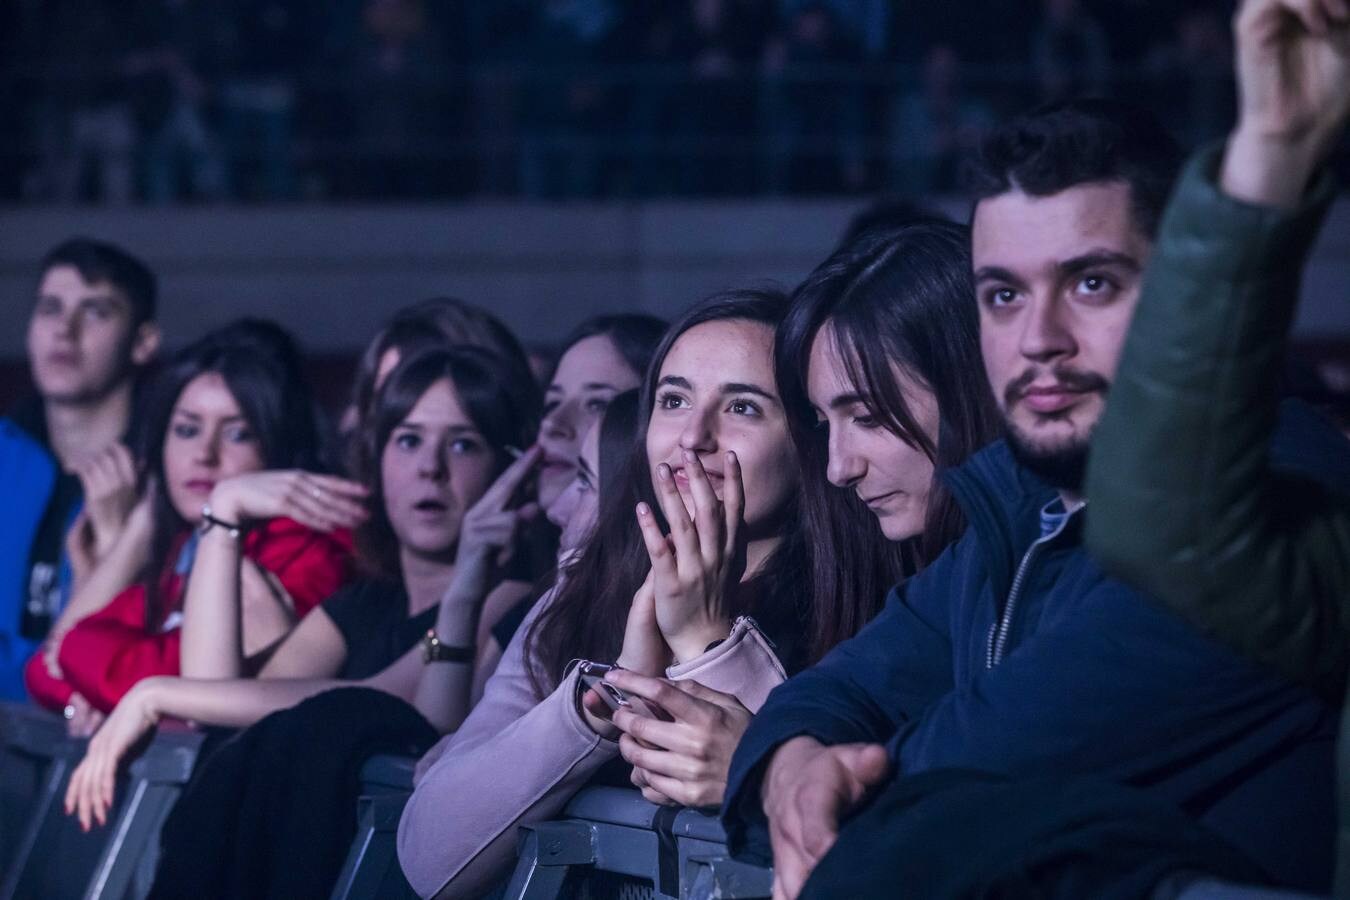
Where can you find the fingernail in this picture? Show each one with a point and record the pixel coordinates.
(643, 509)
(663, 472)
(731, 457)
(688, 455)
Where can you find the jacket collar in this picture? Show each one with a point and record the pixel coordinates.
(1002, 502)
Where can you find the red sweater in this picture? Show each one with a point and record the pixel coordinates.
(104, 654)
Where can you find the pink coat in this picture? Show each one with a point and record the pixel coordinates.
(520, 757)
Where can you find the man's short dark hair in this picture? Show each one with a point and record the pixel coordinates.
(101, 261)
(1068, 143)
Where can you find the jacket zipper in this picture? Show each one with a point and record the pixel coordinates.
(998, 633)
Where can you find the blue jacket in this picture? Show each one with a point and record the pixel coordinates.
(1094, 678)
(27, 476)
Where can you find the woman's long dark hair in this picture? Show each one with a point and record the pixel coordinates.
(499, 395)
(588, 616)
(261, 366)
(898, 298)
(427, 324)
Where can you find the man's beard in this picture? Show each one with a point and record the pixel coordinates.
(1063, 467)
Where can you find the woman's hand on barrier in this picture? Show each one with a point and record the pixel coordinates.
(89, 795)
(701, 558)
(321, 502)
(684, 761)
(490, 530)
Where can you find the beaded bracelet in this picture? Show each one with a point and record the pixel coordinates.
(209, 521)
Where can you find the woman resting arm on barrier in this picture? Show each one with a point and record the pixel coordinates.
(438, 437)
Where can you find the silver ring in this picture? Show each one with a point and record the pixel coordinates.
(69, 711)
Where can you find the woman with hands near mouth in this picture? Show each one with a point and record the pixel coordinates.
(878, 364)
(182, 584)
(533, 741)
(436, 462)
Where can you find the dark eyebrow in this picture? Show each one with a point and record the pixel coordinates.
(189, 414)
(598, 386)
(1096, 259)
(677, 381)
(997, 273)
(109, 298)
(739, 387)
(453, 429)
(844, 400)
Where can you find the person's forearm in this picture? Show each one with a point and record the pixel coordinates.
(1268, 170)
(457, 833)
(212, 620)
(691, 643)
(443, 687)
(112, 575)
(235, 703)
(1180, 471)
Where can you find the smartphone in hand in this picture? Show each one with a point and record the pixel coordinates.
(593, 678)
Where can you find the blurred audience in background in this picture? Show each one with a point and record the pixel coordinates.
(170, 101)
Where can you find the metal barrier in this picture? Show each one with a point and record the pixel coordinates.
(612, 843)
(50, 856)
(372, 868)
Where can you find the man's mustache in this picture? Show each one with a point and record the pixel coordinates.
(1069, 379)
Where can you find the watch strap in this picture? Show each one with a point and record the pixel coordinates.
(433, 650)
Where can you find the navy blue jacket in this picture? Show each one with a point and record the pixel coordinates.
(1094, 678)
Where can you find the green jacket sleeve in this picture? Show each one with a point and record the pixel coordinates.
(1184, 503)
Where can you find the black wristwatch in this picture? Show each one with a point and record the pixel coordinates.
(434, 651)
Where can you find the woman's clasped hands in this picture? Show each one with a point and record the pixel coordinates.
(681, 755)
(703, 556)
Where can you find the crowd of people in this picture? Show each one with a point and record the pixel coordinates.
(164, 101)
(990, 560)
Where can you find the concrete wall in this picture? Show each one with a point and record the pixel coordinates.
(332, 273)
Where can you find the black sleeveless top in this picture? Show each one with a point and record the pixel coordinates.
(372, 616)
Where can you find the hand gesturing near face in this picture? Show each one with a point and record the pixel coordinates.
(701, 559)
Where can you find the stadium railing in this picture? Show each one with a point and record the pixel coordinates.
(372, 868)
(45, 853)
(611, 843)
